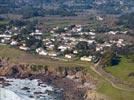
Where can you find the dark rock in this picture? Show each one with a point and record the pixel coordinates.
(31, 96)
(38, 93)
(7, 84)
(25, 88)
(28, 91)
(14, 72)
(2, 79)
(131, 74)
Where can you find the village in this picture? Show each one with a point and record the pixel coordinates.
(70, 42)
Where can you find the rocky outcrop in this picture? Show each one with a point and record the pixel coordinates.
(72, 80)
(64, 71)
(93, 95)
(131, 74)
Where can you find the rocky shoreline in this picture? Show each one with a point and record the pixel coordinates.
(72, 80)
(71, 90)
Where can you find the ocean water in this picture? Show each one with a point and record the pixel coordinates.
(25, 89)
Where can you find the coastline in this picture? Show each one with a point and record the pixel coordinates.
(71, 90)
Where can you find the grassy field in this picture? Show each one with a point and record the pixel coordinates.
(113, 93)
(51, 22)
(3, 22)
(17, 55)
(103, 86)
(12, 53)
(122, 70)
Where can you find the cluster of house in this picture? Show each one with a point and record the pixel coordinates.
(58, 43)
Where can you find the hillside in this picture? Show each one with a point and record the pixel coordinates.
(30, 8)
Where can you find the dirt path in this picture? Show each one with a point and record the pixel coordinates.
(110, 81)
(107, 79)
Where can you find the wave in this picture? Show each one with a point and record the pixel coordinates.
(6, 94)
(25, 89)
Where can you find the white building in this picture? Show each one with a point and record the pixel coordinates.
(24, 48)
(75, 52)
(5, 36)
(63, 48)
(99, 48)
(53, 54)
(13, 43)
(92, 33)
(50, 46)
(112, 32)
(86, 58)
(90, 41)
(99, 18)
(69, 56)
(41, 51)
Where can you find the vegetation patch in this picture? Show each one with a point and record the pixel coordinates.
(122, 70)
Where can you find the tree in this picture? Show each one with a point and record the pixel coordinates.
(127, 20)
(82, 45)
(110, 58)
(84, 49)
(56, 44)
(99, 39)
(106, 59)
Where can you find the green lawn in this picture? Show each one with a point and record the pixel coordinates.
(12, 53)
(17, 55)
(2, 22)
(113, 93)
(122, 70)
(107, 89)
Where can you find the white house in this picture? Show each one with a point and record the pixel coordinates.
(99, 18)
(120, 41)
(24, 48)
(53, 54)
(5, 40)
(92, 33)
(99, 48)
(90, 41)
(5, 36)
(13, 43)
(113, 32)
(75, 51)
(63, 47)
(66, 28)
(78, 28)
(33, 34)
(37, 35)
(41, 51)
(56, 28)
(69, 56)
(107, 44)
(50, 46)
(86, 58)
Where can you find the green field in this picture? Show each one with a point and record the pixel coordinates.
(103, 86)
(17, 55)
(113, 93)
(122, 70)
(12, 53)
(3, 22)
